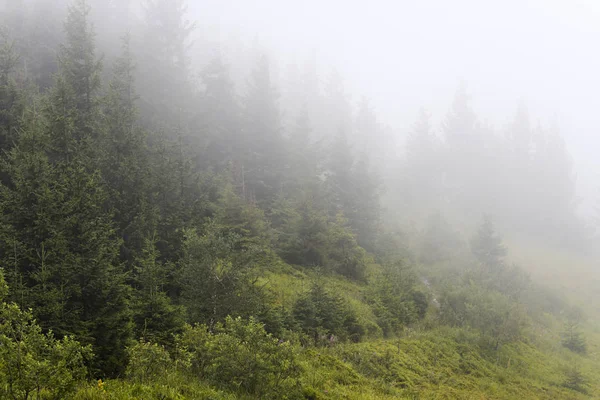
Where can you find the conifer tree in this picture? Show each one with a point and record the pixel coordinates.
(487, 246)
(74, 104)
(65, 249)
(572, 337)
(218, 272)
(365, 220)
(339, 181)
(219, 120)
(464, 149)
(166, 55)
(337, 104)
(156, 318)
(304, 165)
(11, 98)
(125, 159)
(422, 175)
(264, 150)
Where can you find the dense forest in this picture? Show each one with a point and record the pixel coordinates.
(184, 227)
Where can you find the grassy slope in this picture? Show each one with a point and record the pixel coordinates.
(427, 362)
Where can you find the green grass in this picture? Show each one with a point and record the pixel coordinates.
(428, 361)
(437, 364)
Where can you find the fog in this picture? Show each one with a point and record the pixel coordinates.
(402, 57)
(406, 54)
(247, 185)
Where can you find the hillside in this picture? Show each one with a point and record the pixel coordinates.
(165, 234)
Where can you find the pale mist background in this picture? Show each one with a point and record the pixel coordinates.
(405, 54)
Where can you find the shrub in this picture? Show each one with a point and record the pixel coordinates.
(240, 355)
(33, 363)
(575, 380)
(147, 361)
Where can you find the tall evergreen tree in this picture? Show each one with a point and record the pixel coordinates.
(166, 44)
(339, 175)
(464, 149)
(155, 317)
(304, 165)
(337, 104)
(219, 119)
(422, 173)
(11, 97)
(65, 250)
(263, 139)
(365, 220)
(63, 261)
(487, 246)
(73, 109)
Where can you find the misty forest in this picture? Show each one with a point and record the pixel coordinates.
(186, 217)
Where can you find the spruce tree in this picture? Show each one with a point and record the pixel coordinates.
(304, 165)
(219, 120)
(339, 179)
(11, 97)
(125, 159)
(422, 172)
(365, 220)
(487, 246)
(155, 317)
(166, 55)
(73, 110)
(65, 248)
(264, 150)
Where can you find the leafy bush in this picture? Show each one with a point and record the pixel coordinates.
(491, 313)
(241, 356)
(147, 361)
(34, 364)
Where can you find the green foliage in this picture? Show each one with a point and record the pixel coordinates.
(64, 249)
(218, 274)
(326, 317)
(12, 102)
(353, 190)
(572, 338)
(147, 362)
(487, 246)
(575, 380)
(73, 112)
(491, 313)
(343, 254)
(156, 318)
(116, 224)
(307, 236)
(34, 364)
(394, 299)
(239, 355)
